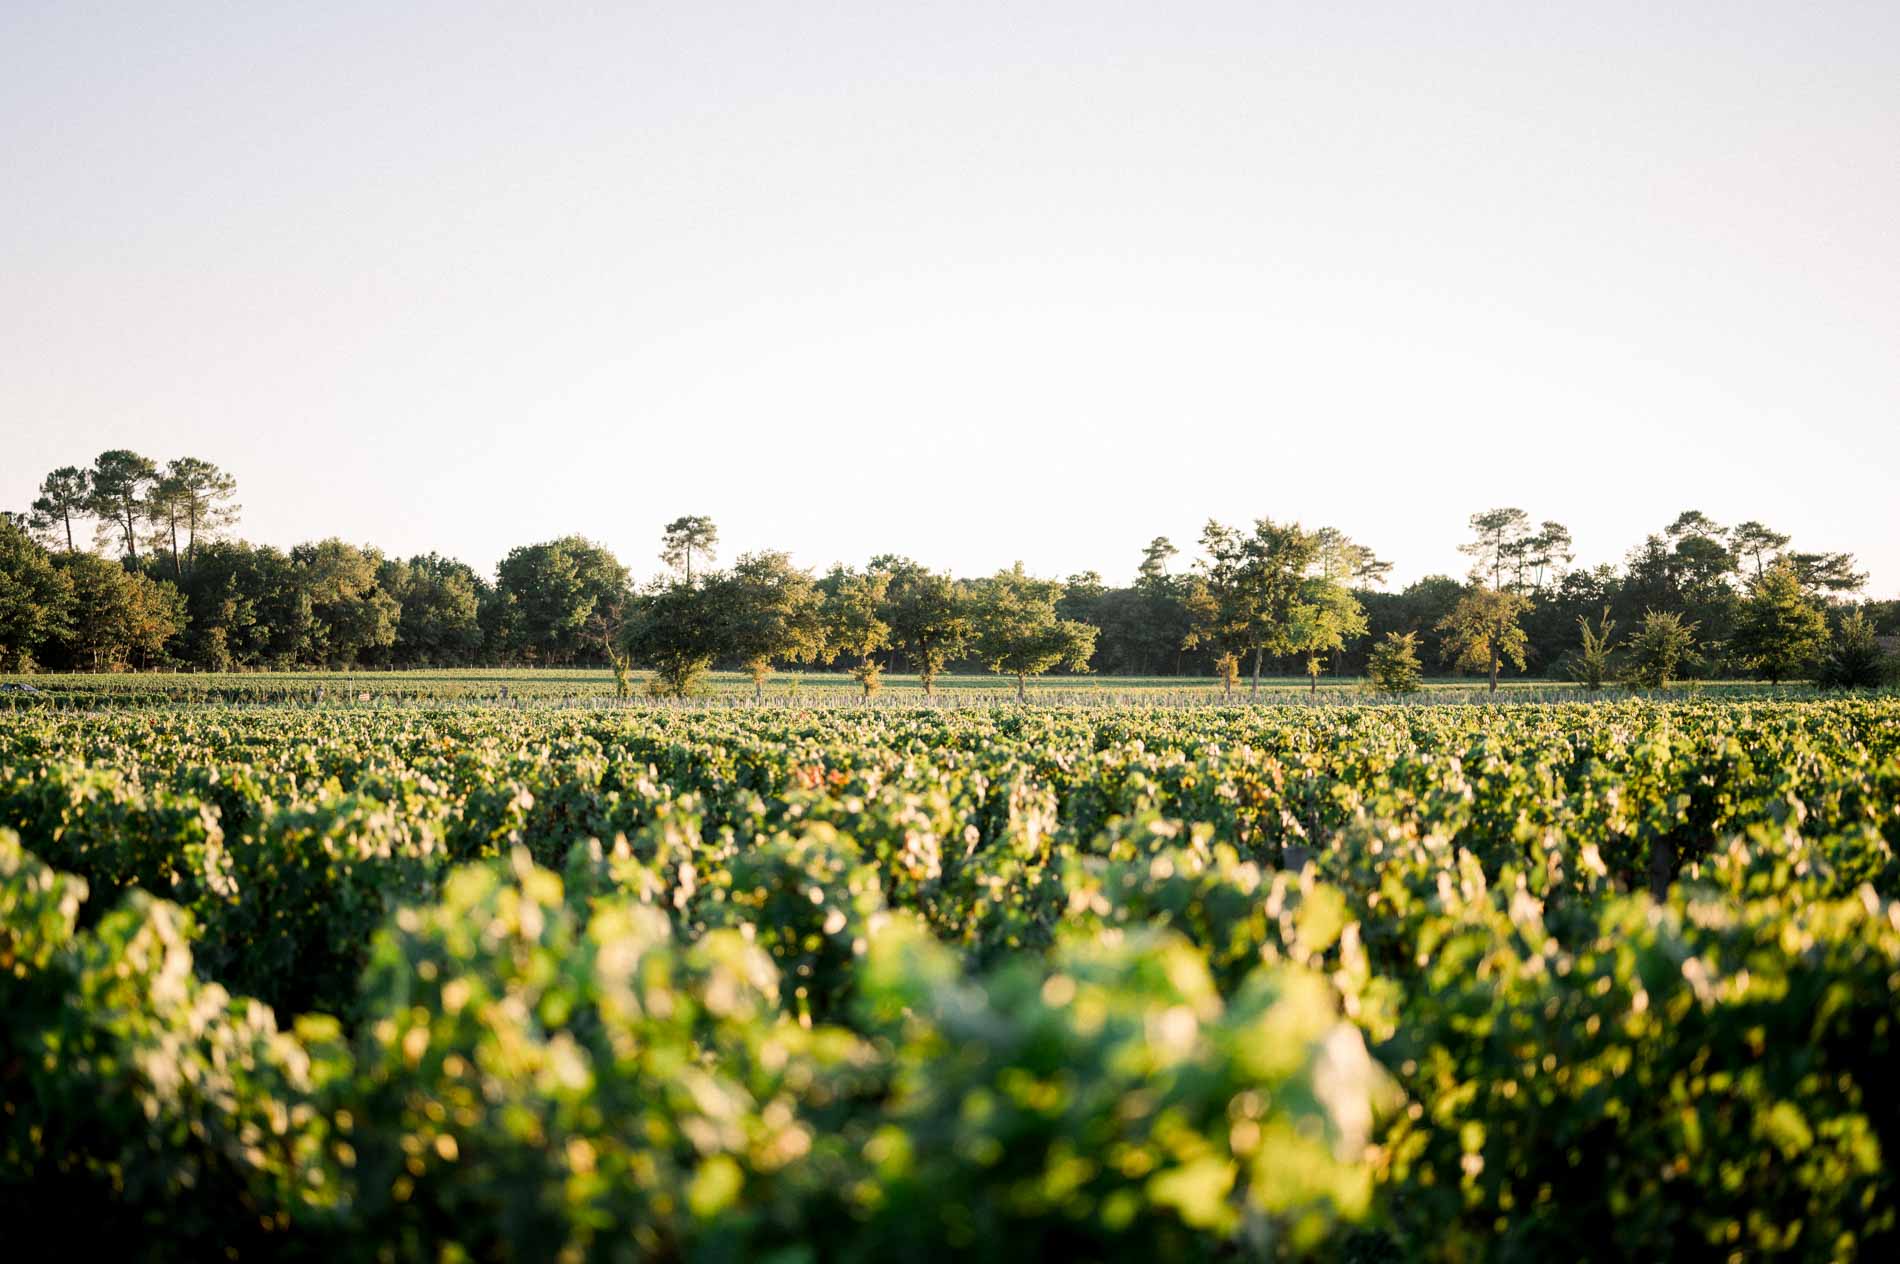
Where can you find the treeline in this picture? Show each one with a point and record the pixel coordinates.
(171, 588)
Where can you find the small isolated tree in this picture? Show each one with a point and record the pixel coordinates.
(1323, 618)
(622, 664)
(853, 602)
(687, 538)
(1277, 557)
(607, 628)
(65, 495)
(1393, 665)
(1018, 632)
(772, 613)
(1854, 660)
(1227, 671)
(1780, 630)
(674, 630)
(1482, 631)
(1590, 665)
(1659, 648)
(928, 621)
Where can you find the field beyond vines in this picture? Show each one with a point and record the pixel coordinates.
(592, 686)
(424, 977)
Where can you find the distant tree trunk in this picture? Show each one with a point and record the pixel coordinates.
(1258, 651)
(1494, 664)
(1022, 687)
(129, 522)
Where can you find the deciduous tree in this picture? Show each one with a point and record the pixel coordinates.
(350, 617)
(248, 608)
(1320, 621)
(772, 611)
(852, 611)
(36, 600)
(547, 592)
(440, 599)
(1082, 597)
(120, 619)
(927, 615)
(1217, 601)
(1208, 628)
(1253, 582)
(1018, 632)
(672, 629)
(1482, 631)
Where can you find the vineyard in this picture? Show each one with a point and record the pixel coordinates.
(404, 978)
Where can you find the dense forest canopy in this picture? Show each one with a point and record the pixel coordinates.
(167, 584)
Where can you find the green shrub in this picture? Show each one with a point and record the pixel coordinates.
(1393, 666)
(1854, 659)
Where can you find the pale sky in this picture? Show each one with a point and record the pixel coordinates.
(972, 282)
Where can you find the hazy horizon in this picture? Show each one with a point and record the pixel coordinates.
(974, 286)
